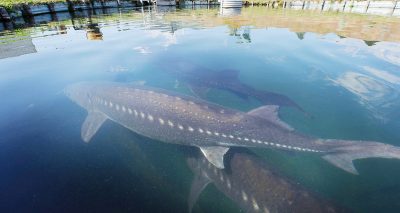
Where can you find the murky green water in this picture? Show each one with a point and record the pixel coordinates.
(342, 70)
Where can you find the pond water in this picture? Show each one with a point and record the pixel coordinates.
(334, 75)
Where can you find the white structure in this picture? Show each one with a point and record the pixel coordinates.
(166, 2)
(231, 11)
(230, 3)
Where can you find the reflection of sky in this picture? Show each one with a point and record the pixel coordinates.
(374, 92)
(369, 89)
(368, 72)
(383, 75)
(386, 51)
(166, 38)
(340, 82)
(374, 76)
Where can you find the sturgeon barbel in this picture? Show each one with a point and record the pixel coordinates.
(181, 119)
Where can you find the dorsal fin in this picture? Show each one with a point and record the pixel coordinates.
(215, 154)
(92, 123)
(270, 113)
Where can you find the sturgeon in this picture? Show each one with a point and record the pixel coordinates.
(255, 186)
(200, 80)
(181, 119)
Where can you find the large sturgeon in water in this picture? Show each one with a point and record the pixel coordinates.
(255, 186)
(181, 119)
(200, 80)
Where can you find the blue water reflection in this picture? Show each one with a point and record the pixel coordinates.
(345, 81)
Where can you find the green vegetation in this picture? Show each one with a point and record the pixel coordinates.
(10, 3)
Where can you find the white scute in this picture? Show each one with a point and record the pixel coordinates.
(244, 196)
(255, 204)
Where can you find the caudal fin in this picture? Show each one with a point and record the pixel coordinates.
(344, 152)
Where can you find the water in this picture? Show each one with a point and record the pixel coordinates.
(341, 69)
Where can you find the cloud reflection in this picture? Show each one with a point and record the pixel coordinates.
(375, 90)
(389, 52)
(363, 86)
(143, 50)
(384, 75)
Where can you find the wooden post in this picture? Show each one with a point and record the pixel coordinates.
(27, 14)
(8, 25)
(352, 5)
(26, 10)
(102, 4)
(366, 8)
(91, 2)
(103, 7)
(52, 11)
(394, 6)
(4, 16)
(71, 8)
(87, 3)
(51, 7)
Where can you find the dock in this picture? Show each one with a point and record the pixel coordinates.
(386, 8)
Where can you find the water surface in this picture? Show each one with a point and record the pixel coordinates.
(341, 69)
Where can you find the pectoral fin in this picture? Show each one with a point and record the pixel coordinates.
(215, 154)
(270, 113)
(92, 123)
(199, 184)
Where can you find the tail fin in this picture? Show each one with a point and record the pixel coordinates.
(344, 152)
